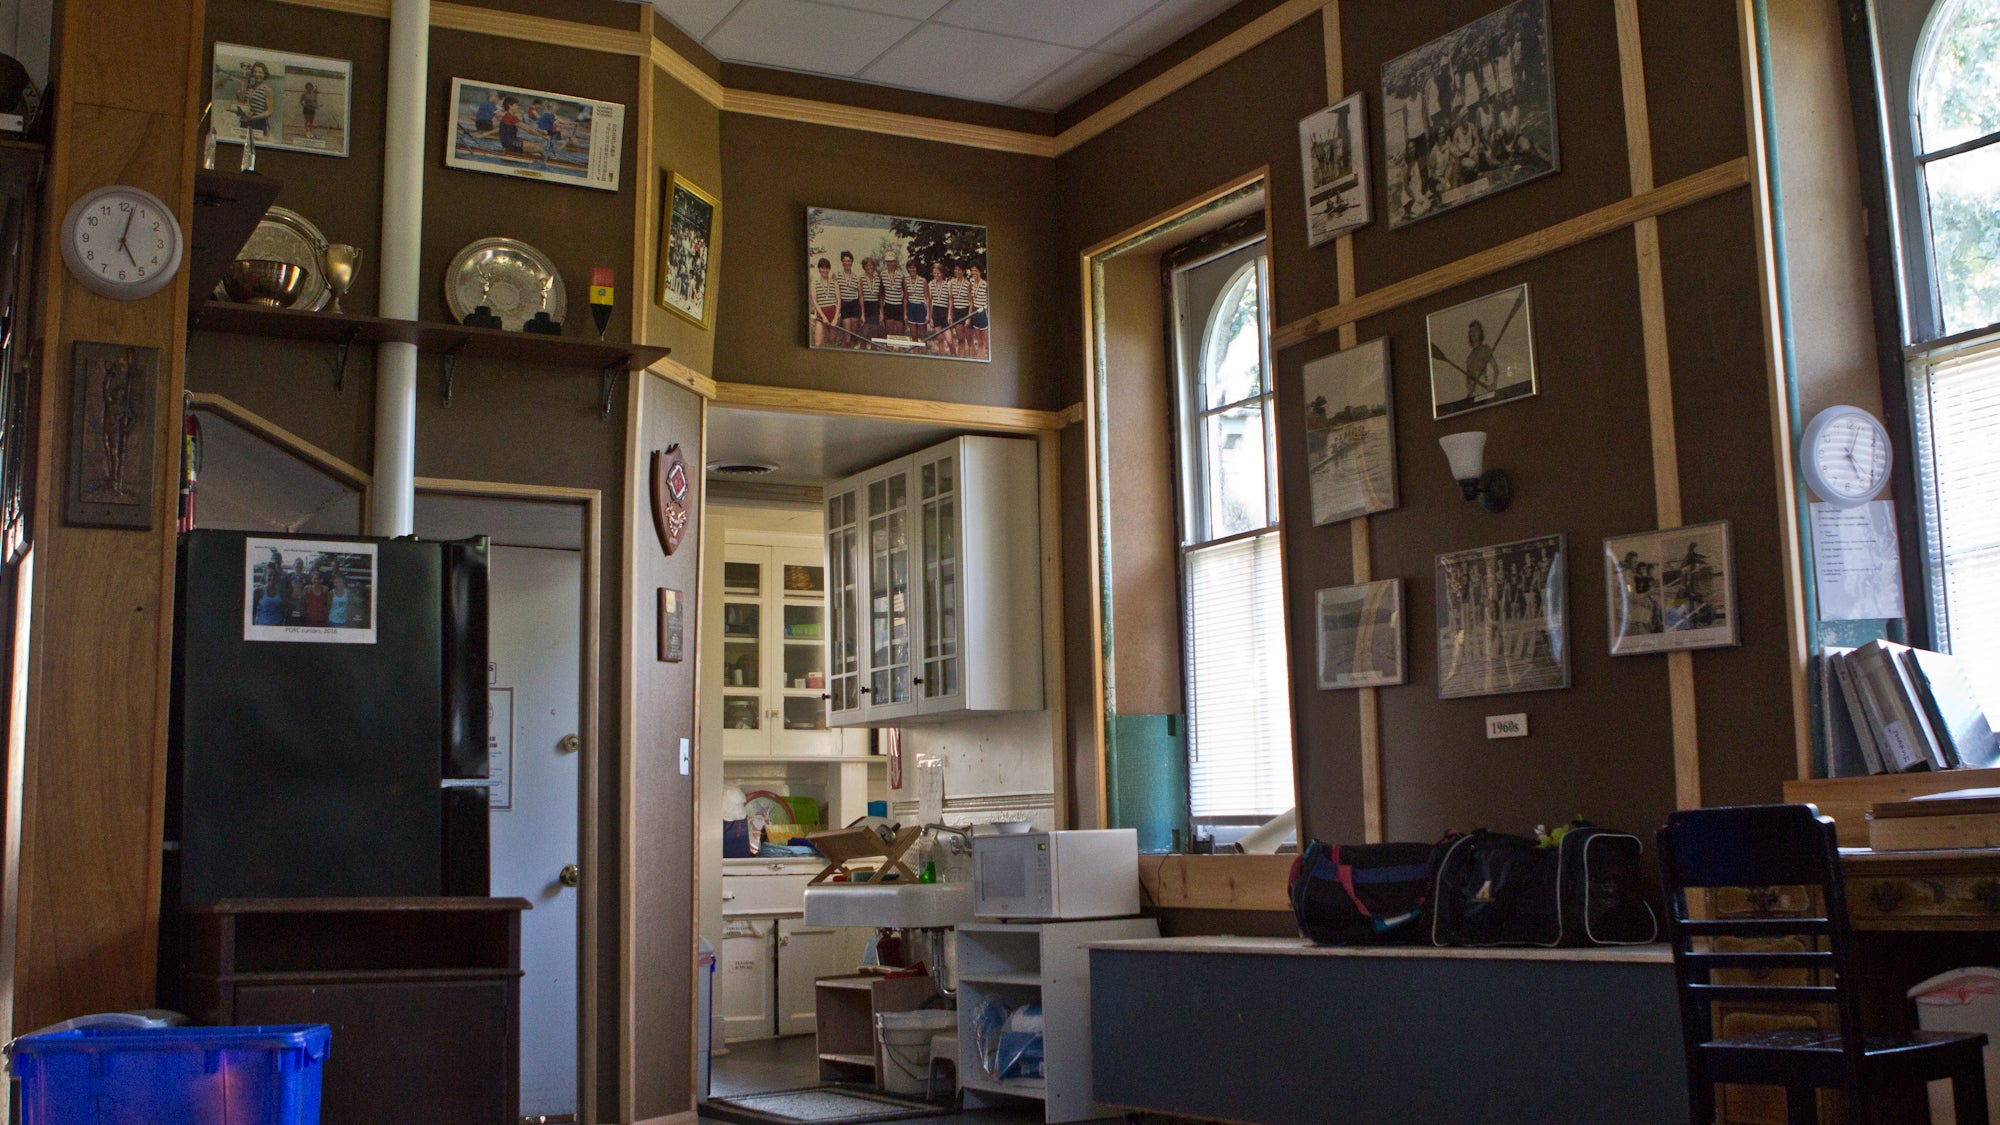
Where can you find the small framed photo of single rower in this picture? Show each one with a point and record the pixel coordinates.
(1482, 352)
(1333, 151)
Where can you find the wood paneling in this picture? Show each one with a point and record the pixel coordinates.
(1216, 882)
(93, 776)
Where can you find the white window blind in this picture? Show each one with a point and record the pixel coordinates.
(1240, 717)
(1958, 419)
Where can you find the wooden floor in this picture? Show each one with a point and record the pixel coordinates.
(760, 1065)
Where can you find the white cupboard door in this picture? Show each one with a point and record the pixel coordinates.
(797, 633)
(745, 668)
(805, 954)
(844, 590)
(891, 617)
(744, 988)
(939, 679)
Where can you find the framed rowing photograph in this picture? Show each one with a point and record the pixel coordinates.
(1361, 635)
(878, 283)
(1350, 433)
(686, 247)
(1671, 589)
(1482, 352)
(1469, 114)
(534, 134)
(1502, 619)
(1333, 151)
(289, 101)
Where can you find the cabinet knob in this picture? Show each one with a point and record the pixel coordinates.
(571, 875)
(824, 695)
(916, 679)
(864, 691)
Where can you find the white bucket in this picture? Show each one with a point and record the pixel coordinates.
(906, 1046)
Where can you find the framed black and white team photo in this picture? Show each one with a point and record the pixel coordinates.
(1502, 619)
(897, 286)
(1470, 113)
(1350, 433)
(1361, 635)
(1333, 151)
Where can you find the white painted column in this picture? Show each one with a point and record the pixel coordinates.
(402, 229)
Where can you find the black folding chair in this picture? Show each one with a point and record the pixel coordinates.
(1789, 846)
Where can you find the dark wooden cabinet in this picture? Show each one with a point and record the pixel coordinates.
(423, 996)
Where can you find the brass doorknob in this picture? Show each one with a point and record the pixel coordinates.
(571, 875)
(570, 744)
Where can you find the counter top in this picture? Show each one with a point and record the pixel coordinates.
(784, 864)
(1655, 953)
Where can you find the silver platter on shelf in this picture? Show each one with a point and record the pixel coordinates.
(509, 277)
(284, 235)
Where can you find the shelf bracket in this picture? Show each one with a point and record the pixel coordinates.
(608, 383)
(449, 365)
(340, 362)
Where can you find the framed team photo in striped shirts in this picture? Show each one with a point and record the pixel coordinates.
(895, 286)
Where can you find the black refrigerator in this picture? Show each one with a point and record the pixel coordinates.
(329, 727)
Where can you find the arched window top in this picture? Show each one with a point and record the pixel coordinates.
(1956, 82)
(1232, 366)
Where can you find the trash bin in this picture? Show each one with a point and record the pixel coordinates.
(1963, 1000)
(704, 968)
(905, 1039)
(186, 1075)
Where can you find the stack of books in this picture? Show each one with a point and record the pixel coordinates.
(1890, 708)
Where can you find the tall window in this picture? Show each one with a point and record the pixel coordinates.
(1955, 127)
(1239, 704)
(1948, 177)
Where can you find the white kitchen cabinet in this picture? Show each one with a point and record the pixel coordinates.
(772, 659)
(744, 995)
(1016, 963)
(934, 572)
(805, 954)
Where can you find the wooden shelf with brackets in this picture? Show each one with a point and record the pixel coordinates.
(450, 342)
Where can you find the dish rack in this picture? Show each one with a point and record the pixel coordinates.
(843, 846)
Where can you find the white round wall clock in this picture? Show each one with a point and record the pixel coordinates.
(121, 242)
(1845, 456)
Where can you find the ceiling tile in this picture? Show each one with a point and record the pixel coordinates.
(967, 64)
(912, 9)
(1050, 21)
(801, 36)
(1161, 26)
(1078, 77)
(695, 17)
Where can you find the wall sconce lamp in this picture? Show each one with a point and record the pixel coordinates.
(1493, 488)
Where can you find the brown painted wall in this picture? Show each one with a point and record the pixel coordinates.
(1145, 574)
(661, 798)
(687, 138)
(1580, 451)
(776, 169)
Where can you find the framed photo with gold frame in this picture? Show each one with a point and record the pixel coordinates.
(687, 246)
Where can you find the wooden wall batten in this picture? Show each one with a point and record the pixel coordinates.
(99, 686)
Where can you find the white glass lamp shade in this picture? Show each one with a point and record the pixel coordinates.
(1466, 452)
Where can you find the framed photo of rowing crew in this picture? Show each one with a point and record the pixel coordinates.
(896, 286)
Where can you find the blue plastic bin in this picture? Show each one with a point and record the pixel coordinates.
(171, 1075)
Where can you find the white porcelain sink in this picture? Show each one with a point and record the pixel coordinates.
(889, 905)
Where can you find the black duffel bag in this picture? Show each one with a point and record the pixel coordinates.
(1365, 894)
(1492, 888)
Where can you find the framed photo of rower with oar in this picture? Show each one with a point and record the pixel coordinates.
(897, 286)
(1482, 352)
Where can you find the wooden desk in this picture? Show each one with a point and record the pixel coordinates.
(1957, 889)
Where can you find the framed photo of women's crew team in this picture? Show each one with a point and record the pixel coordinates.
(1470, 113)
(897, 286)
(687, 245)
(1502, 619)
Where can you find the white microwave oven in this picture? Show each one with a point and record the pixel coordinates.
(1052, 875)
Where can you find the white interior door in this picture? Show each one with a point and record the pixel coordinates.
(535, 621)
(744, 989)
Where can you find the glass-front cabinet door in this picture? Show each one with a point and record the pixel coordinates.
(890, 687)
(801, 655)
(938, 506)
(843, 603)
(744, 714)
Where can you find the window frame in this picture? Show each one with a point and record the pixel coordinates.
(1191, 463)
